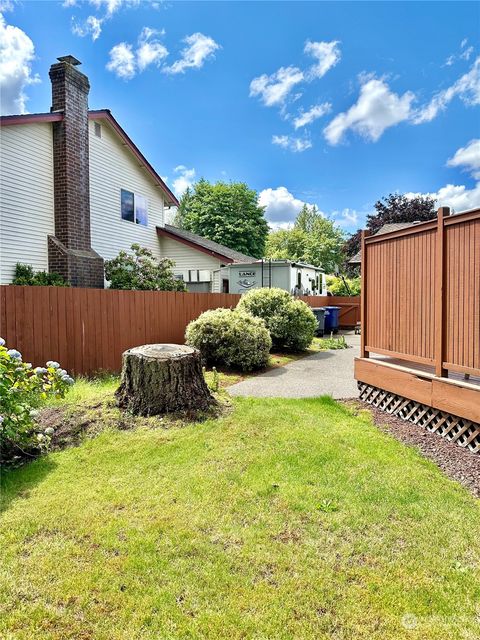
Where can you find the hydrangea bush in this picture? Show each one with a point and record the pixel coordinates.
(291, 322)
(22, 390)
(230, 338)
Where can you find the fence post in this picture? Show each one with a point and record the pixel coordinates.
(363, 297)
(440, 332)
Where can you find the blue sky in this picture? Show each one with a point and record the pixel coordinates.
(333, 104)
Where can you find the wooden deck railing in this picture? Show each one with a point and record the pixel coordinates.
(421, 293)
(87, 330)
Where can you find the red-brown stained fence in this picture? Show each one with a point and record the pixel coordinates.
(421, 293)
(87, 330)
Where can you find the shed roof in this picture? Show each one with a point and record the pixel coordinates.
(204, 244)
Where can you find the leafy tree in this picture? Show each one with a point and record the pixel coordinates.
(395, 207)
(313, 239)
(227, 213)
(337, 286)
(142, 271)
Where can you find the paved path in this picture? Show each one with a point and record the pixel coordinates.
(324, 373)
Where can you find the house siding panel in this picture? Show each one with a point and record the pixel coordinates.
(186, 258)
(112, 168)
(27, 197)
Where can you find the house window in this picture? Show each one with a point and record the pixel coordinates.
(134, 207)
(98, 129)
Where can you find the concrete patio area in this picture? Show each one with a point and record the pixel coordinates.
(323, 373)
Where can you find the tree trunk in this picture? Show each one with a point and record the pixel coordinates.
(163, 378)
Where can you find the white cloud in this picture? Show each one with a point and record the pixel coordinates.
(16, 55)
(122, 61)
(274, 89)
(112, 6)
(468, 157)
(184, 180)
(126, 63)
(307, 117)
(199, 48)
(467, 88)
(346, 218)
(376, 109)
(281, 207)
(458, 197)
(467, 54)
(91, 26)
(150, 50)
(297, 145)
(327, 55)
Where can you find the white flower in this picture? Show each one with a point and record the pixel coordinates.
(1, 419)
(49, 431)
(2, 342)
(68, 380)
(33, 413)
(40, 371)
(14, 354)
(61, 372)
(40, 437)
(52, 364)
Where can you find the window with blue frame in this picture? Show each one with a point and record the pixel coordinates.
(134, 208)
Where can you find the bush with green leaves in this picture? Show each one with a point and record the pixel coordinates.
(337, 286)
(22, 391)
(25, 275)
(291, 322)
(141, 270)
(230, 338)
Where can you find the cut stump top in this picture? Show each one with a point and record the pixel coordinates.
(162, 351)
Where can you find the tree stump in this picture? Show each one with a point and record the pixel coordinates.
(163, 378)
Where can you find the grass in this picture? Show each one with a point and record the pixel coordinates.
(284, 519)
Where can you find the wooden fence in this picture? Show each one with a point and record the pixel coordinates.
(87, 330)
(421, 293)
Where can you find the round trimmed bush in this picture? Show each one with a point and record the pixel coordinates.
(291, 322)
(231, 338)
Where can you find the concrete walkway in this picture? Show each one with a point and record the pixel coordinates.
(324, 373)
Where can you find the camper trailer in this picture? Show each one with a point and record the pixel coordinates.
(297, 278)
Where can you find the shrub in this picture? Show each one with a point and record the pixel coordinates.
(22, 391)
(230, 338)
(291, 322)
(25, 275)
(337, 286)
(141, 270)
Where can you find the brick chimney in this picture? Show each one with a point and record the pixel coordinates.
(69, 251)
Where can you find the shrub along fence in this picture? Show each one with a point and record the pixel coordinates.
(87, 330)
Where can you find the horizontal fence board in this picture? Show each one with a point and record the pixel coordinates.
(87, 330)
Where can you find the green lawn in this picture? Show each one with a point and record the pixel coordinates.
(283, 519)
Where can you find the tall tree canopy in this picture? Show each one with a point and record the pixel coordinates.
(395, 207)
(313, 239)
(227, 213)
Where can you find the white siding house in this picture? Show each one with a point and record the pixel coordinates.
(113, 168)
(75, 190)
(26, 198)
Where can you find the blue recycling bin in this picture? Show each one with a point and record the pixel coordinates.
(332, 319)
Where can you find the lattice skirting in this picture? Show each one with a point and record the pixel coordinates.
(459, 430)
